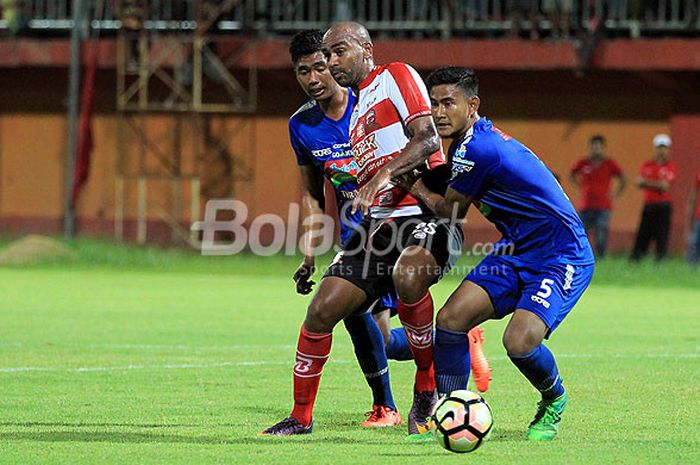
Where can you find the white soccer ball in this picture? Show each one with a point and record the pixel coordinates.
(462, 421)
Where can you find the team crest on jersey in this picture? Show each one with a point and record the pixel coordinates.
(460, 164)
(371, 121)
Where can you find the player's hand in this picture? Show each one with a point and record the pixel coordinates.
(407, 180)
(302, 277)
(365, 196)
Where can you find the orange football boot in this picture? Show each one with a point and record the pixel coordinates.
(479, 362)
(381, 416)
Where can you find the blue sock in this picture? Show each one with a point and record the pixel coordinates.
(369, 350)
(452, 363)
(540, 368)
(398, 347)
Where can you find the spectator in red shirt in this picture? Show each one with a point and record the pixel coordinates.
(656, 177)
(593, 175)
(694, 217)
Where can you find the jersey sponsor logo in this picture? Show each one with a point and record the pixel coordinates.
(420, 336)
(322, 152)
(347, 195)
(540, 301)
(569, 277)
(365, 149)
(460, 164)
(337, 151)
(369, 170)
(386, 197)
(302, 365)
(423, 230)
(377, 374)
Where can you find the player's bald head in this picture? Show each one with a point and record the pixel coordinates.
(349, 51)
(349, 30)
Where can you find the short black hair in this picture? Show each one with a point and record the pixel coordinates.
(597, 138)
(463, 77)
(305, 43)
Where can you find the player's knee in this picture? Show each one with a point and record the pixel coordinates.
(319, 316)
(411, 282)
(449, 318)
(520, 342)
(408, 286)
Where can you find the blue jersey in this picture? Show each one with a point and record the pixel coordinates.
(324, 143)
(516, 192)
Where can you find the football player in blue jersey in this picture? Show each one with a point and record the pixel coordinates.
(319, 136)
(538, 270)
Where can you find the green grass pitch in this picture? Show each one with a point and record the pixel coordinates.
(141, 356)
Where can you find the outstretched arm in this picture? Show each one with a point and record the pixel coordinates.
(313, 203)
(423, 143)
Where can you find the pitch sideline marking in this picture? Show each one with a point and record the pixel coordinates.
(171, 366)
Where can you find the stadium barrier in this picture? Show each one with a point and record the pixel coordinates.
(415, 18)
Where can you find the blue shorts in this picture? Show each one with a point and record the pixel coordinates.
(549, 291)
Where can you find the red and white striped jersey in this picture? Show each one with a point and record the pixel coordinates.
(389, 99)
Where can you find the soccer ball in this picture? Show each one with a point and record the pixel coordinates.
(462, 421)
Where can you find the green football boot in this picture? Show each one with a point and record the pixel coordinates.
(545, 426)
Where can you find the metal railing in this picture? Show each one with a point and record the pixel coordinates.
(398, 18)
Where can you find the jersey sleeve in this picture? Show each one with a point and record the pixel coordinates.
(475, 172)
(408, 92)
(576, 169)
(302, 154)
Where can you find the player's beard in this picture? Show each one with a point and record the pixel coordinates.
(343, 78)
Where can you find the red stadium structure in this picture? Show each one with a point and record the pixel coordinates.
(191, 101)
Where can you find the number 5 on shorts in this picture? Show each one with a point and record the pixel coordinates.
(545, 288)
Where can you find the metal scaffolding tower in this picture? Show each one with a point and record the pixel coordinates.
(183, 126)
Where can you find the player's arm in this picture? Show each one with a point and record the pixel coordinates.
(423, 142)
(621, 184)
(454, 205)
(312, 205)
(660, 185)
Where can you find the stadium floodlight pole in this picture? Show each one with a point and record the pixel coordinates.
(73, 103)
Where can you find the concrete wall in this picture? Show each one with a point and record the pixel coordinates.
(552, 113)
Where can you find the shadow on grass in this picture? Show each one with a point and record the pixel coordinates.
(413, 448)
(508, 435)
